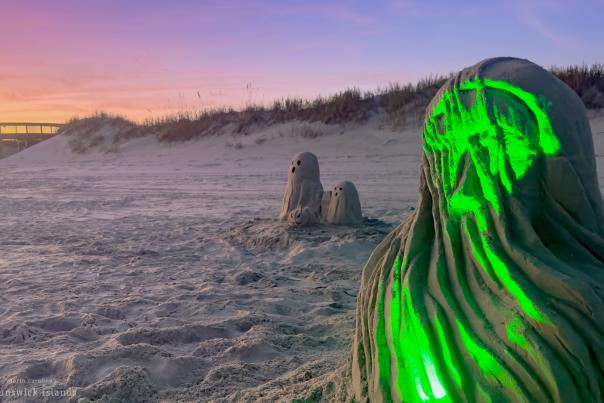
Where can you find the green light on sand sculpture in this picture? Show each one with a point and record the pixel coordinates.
(493, 140)
(500, 147)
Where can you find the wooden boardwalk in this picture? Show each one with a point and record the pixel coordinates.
(28, 130)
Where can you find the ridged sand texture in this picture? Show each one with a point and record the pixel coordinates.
(493, 289)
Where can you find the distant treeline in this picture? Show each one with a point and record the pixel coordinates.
(401, 104)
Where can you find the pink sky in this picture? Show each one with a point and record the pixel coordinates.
(66, 58)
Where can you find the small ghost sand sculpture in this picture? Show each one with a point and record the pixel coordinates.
(344, 206)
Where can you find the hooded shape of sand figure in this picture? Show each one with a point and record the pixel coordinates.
(302, 197)
(344, 206)
(493, 290)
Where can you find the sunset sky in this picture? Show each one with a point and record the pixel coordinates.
(144, 58)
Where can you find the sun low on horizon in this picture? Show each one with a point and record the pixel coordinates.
(147, 59)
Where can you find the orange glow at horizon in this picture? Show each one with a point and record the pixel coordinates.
(134, 103)
(74, 59)
(150, 58)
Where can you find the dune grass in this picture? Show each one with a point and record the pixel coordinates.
(400, 103)
(586, 81)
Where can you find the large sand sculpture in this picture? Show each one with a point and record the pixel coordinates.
(493, 290)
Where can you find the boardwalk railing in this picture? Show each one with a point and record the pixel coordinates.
(28, 130)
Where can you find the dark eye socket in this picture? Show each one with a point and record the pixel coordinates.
(293, 169)
(340, 189)
(299, 162)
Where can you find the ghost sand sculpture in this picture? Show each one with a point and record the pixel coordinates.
(493, 290)
(342, 205)
(301, 203)
(304, 201)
